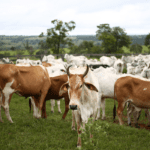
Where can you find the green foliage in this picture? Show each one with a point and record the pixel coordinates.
(26, 45)
(124, 70)
(6, 54)
(92, 128)
(20, 52)
(57, 36)
(86, 45)
(136, 48)
(96, 49)
(113, 38)
(12, 48)
(147, 40)
(108, 42)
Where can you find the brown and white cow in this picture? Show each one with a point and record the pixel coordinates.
(25, 81)
(53, 93)
(133, 90)
(82, 88)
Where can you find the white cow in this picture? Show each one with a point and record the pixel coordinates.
(107, 60)
(107, 79)
(118, 65)
(82, 88)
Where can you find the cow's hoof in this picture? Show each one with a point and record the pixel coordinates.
(60, 112)
(148, 125)
(52, 111)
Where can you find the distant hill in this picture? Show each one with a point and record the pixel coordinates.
(6, 42)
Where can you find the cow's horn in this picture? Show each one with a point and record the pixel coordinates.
(85, 73)
(68, 73)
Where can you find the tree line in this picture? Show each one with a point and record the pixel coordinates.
(113, 39)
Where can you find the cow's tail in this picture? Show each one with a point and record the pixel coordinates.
(30, 104)
(114, 110)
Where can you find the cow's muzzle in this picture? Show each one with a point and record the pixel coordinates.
(73, 107)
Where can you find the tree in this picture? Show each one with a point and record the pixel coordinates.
(96, 49)
(108, 43)
(86, 46)
(121, 38)
(31, 50)
(57, 35)
(26, 45)
(12, 48)
(147, 40)
(136, 48)
(113, 38)
(74, 49)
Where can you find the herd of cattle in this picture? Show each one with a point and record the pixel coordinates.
(83, 86)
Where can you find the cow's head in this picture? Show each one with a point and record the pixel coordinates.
(76, 86)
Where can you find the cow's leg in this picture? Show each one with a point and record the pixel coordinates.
(0, 106)
(58, 104)
(66, 107)
(42, 99)
(78, 121)
(44, 110)
(52, 105)
(99, 107)
(73, 120)
(7, 94)
(103, 108)
(135, 116)
(6, 105)
(119, 112)
(35, 104)
(129, 113)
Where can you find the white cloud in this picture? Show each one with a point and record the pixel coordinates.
(31, 17)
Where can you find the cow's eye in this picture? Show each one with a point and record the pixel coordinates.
(68, 87)
(80, 86)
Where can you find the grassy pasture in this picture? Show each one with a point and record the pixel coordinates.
(55, 134)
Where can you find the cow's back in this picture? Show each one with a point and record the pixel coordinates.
(133, 89)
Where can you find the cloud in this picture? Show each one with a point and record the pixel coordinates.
(33, 17)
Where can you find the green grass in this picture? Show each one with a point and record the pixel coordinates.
(54, 133)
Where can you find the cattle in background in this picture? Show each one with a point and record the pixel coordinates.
(133, 90)
(24, 81)
(127, 59)
(53, 93)
(82, 89)
(107, 61)
(54, 71)
(6, 61)
(46, 64)
(118, 65)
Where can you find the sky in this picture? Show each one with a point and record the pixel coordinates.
(31, 17)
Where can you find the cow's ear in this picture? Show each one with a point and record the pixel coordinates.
(91, 86)
(63, 88)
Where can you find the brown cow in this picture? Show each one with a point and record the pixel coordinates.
(133, 90)
(53, 93)
(82, 88)
(24, 81)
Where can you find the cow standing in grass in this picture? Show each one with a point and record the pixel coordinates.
(133, 90)
(53, 93)
(24, 81)
(82, 89)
